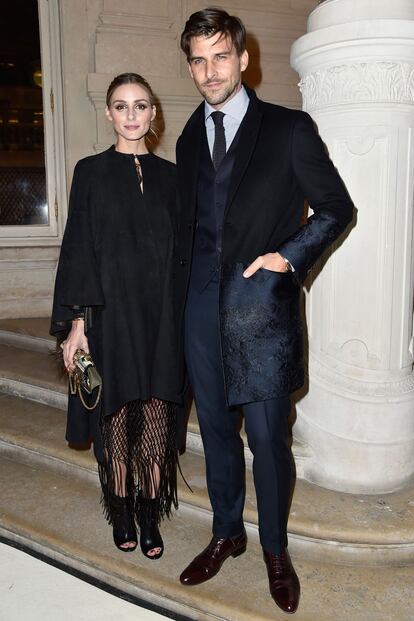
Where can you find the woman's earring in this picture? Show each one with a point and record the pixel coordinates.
(152, 131)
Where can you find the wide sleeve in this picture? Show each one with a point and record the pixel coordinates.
(325, 191)
(77, 278)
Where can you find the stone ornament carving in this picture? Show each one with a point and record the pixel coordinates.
(366, 390)
(368, 82)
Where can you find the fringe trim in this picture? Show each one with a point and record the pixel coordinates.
(141, 460)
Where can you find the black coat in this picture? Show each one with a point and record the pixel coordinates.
(117, 258)
(280, 162)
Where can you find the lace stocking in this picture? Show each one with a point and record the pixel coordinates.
(140, 456)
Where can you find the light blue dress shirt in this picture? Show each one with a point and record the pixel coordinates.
(234, 111)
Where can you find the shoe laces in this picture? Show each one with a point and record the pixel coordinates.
(214, 546)
(278, 562)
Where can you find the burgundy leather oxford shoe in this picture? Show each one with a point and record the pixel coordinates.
(207, 564)
(283, 582)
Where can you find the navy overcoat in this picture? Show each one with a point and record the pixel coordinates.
(280, 162)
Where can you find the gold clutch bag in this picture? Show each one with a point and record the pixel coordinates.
(85, 377)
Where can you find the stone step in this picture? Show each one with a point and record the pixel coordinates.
(58, 515)
(323, 524)
(33, 374)
(29, 333)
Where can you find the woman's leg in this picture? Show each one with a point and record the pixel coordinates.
(117, 484)
(157, 472)
(140, 464)
(158, 451)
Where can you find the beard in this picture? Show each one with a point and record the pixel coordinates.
(220, 96)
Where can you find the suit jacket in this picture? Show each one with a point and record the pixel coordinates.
(280, 162)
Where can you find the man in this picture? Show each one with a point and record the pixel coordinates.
(245, 168)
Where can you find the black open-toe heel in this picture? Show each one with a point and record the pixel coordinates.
(124, 530)
(150, 536)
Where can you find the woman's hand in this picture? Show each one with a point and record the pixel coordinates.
(76, 340)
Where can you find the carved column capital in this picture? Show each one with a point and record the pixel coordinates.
(359, 82)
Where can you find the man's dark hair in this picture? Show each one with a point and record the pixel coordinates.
(210, 21)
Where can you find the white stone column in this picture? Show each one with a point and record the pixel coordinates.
(356, 66)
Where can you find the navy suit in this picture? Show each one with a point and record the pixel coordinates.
(243, 337)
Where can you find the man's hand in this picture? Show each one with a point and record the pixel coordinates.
(76, 340)
(272, 261)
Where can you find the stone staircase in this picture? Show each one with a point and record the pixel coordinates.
(354, 554)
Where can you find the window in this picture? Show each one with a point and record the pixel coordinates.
(32, 175)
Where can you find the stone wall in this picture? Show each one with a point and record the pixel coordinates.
(142, 36)
(100, 38)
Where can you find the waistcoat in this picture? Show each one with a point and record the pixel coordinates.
(212, 192)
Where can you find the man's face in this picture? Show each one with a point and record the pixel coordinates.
(216, 68)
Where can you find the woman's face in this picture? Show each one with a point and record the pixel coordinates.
(130, 112)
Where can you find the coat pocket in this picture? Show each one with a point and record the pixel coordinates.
(261, 332)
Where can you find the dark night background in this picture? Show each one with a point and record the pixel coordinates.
(19, 42)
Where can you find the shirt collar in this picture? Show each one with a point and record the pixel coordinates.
(236, 107)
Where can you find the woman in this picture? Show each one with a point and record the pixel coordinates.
(114, 299)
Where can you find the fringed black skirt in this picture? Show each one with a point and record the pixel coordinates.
(140, 458)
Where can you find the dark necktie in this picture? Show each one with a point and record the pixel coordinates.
(219, 147)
